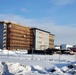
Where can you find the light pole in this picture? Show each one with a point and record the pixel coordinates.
(33, 44)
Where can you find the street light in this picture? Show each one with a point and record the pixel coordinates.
(33, 45)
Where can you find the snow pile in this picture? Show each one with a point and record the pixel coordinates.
(9, 68)
(0, 50)
(66, 70)
(21, 52)
(1, 68)
(17, 68)
(53, 65)
(11, 52)
(5, 51)
(15, 52)
(13, 68)
(38, 67)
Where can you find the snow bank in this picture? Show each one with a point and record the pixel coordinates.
(5, 51)
(13, 68)
(17, 68)
(0, 50)
(37, 66)
(64, 69)
(1, 68)
(21, 52)
(9, 68)
(10, 52)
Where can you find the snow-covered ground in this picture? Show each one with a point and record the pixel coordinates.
(21, 63)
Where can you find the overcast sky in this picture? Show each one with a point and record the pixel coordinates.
(55, 16)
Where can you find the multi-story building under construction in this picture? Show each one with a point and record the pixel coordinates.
(14, 36)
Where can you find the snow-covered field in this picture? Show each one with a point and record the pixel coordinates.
(21, 63)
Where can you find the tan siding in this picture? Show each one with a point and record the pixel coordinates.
(19, 37)
(51, 41)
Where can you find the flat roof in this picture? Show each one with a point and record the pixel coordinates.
(5, 21)
(12, 22)
(52, 34)
(40, 30)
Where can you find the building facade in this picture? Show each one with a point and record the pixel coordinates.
(14, 36)
(41, 41)
(51, 40)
